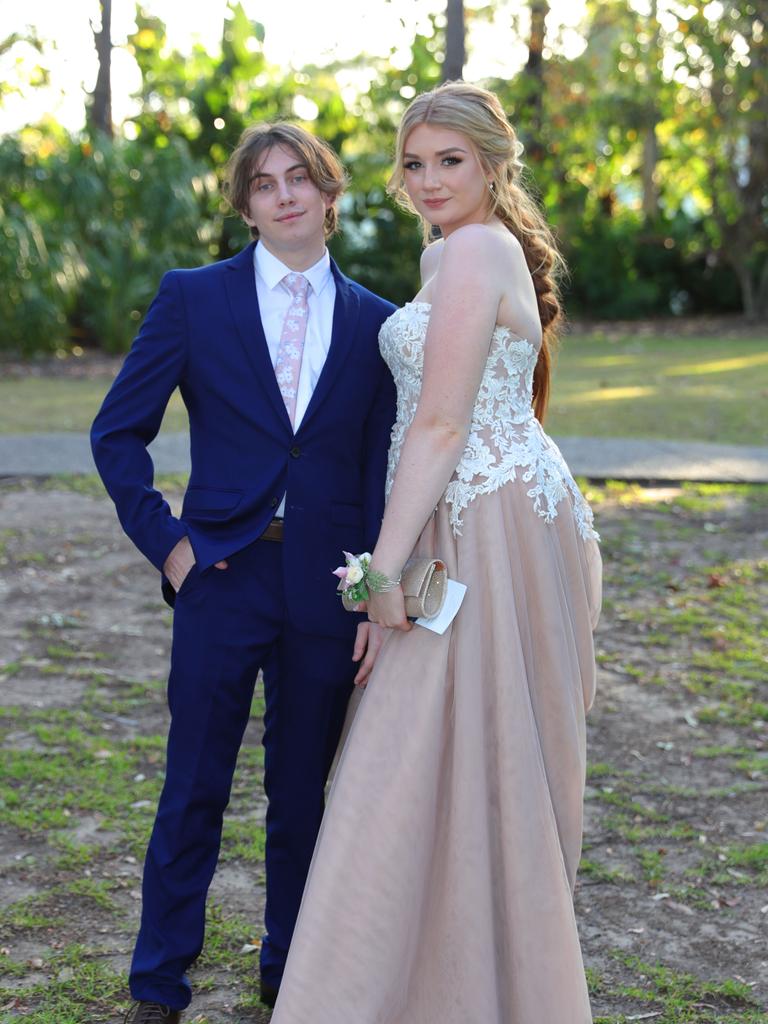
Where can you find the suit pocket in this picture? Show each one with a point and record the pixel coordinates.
(189, 580)
(347, 515)
(205, 503)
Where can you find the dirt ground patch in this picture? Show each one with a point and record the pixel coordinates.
(672, 901)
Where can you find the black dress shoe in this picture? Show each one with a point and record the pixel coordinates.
(152, 1013)
(268, 993)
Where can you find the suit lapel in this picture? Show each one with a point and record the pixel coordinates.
(240, 284)
(346, 312)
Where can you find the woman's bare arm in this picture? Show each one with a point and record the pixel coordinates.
(465, 306)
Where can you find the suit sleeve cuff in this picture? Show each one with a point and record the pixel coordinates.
(159, 551)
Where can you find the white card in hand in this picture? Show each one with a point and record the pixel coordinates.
(453, 598)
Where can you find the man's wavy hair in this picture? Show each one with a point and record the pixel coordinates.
(323, 166)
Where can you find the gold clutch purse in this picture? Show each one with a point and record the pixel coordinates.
(424, 582)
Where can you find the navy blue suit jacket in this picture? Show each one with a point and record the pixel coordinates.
(203, 333)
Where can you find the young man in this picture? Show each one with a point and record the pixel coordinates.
(290, 408)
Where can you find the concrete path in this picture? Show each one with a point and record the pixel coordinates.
(597, 458)
(602, 458)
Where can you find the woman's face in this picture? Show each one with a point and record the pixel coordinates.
(444, 178)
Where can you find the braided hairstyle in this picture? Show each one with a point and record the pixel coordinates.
(478, 115)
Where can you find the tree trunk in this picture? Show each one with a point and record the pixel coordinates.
(453, 65)
(101, 109)
(535, 63)
(650, 160)
(651, 142)
(534, 70)
(762, 293)
(748, 297)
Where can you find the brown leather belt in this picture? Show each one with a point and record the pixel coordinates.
(274, 531)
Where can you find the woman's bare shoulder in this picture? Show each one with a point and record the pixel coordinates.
(496, 248)
(430, 259)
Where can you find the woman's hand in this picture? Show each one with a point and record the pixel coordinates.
(388, 609)
(368, 643)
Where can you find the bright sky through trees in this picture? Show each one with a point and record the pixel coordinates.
(304, 32)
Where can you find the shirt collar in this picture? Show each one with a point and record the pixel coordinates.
(272, 270)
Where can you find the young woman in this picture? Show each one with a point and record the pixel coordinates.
(441, 887)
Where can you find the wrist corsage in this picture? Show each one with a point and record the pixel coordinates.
(424, 581)
(357, 579)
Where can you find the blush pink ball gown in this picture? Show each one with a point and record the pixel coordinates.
(441, 886)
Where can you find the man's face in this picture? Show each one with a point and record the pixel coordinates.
(286, 206)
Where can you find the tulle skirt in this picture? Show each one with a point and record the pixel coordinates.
(441, 887)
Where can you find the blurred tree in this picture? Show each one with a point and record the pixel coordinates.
(88, 230)
(647, 149)
(101, 99)
(380, 244)
(455, 53)
(208, 99)
(651, 40)
(720, 142)
(205, 99)
(31, 77)
(532, 110)
(609, 165)
(202, 97)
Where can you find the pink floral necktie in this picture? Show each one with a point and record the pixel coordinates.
(288, 363)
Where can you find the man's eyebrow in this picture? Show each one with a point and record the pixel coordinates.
(264, 174)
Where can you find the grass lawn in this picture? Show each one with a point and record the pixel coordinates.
(695, 389)
(39, 405)
(702, 389)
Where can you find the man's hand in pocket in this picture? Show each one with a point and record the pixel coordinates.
(178, 564)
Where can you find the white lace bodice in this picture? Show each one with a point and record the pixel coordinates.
(504, 436)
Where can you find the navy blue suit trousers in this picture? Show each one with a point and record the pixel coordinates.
(228, 625)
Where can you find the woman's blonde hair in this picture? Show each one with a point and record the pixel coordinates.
(478, 115)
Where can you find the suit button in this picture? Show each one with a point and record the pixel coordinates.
(274, 503)
(295, 452)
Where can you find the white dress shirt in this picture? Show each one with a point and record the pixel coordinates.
(274, 300)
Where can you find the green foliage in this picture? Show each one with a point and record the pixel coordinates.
(721, 134)
(87, 233)
(381, 245)
(646, 269)
(210, 99)
(638, 231)
(25, 75)
(647, 151)
(34, 302)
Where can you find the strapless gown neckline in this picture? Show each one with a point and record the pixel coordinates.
(497, 327)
